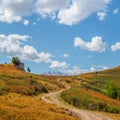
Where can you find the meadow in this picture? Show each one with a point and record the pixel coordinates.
(21, 92)
(20, 96)
(88, 91)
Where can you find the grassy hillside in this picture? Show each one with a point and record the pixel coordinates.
(97, 80)
(15, 80)
(89, 91)
(20, 96)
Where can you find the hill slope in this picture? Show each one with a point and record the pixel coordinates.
(15, 80)
(88, 91)
(98, 80)
(18, 100)
(21, 93)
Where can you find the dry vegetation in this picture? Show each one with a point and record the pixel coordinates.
(14, 80)
(88, 91)
(17, 107)
(20, 96)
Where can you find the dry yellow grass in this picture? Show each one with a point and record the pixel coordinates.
(93, 85)
(16, 107)
(12, 79)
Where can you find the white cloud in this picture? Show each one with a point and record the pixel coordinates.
(77, 70)
(96, 44)
(57, 64)
(79, 10)
(12, 45)
(116, 46)
(14, 10)
(65, 55)
(105, 67)
(47, 8)
(116, 11)
(25, 22)
(94, 68)
(74, 71)
(101, 15)
(67, 12)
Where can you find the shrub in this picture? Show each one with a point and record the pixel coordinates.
(76, 97)
(111, 90)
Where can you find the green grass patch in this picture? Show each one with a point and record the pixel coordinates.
(77, 97)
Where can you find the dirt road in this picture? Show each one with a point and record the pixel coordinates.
(53, 98)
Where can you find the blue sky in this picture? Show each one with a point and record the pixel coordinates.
(72, 36)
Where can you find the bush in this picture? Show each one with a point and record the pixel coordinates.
(111, 90)
(76, 98)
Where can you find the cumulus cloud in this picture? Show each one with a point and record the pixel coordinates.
(25, 22)
(116, 46)
(14, 10)
(47, 8)
(57, 64)
(101, 15)
(65, 55)
(116, 11)
(94, 68)
(12, 45)
(67, 12)
(95, 45)
(78, 10)
(74, 71)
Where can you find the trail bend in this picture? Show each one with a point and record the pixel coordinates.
(53, 98)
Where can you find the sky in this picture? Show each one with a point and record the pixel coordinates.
(71, 36)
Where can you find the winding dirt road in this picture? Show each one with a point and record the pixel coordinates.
(53, 98)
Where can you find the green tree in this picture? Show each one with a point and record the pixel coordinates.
(111, 90)
(15, 61)
(28, 69)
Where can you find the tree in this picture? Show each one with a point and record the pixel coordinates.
(15, 61)
(111, 90)
(28, 69)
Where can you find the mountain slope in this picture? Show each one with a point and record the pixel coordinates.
(98, 80)
(88, 91)
(19, 93)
